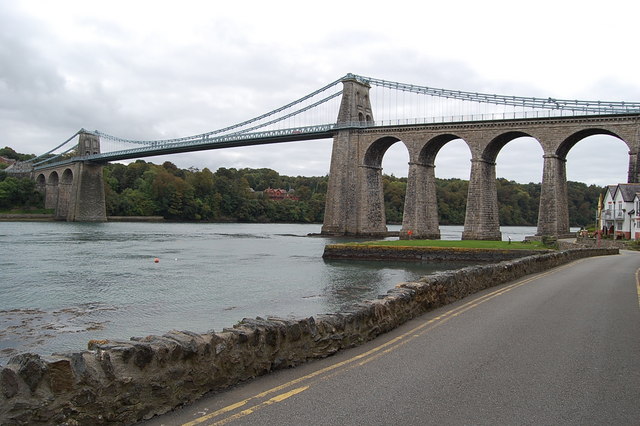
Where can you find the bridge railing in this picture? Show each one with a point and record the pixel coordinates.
(452, 119)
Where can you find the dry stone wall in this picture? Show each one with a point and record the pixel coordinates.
(127, 381)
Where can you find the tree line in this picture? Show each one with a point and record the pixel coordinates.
(228, 194)
(17, 193)
(146, 189)
(517, 203)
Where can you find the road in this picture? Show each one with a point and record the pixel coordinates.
(560, 347)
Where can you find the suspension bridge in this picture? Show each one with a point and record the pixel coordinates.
(421, 117)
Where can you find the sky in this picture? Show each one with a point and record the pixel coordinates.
(162, 69)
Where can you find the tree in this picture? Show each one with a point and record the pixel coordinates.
(11, 154)
(19, 193)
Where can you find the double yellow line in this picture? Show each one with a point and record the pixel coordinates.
(361, 359)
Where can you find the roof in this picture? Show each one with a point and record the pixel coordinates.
(628, 191)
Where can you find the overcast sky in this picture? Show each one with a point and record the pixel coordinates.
(159, 69)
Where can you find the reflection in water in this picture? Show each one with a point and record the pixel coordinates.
(352, 281)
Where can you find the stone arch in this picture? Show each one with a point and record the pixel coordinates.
(565, 146)
(41, 183)
(373, 217)
(553, 215)
(53, 178)
(481, 217)
(493, 148)
(420, 219)
(67, 177)
(51, 192)
(376, 150)
(430, 150)
(510, 161)
(64, 194)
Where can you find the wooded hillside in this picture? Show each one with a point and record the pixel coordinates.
(147, 189)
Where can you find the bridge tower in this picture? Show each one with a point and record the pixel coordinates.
(88, 144)
(87, 198)
(75, 190)
(355, 198)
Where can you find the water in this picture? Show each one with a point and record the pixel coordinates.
(62, 284)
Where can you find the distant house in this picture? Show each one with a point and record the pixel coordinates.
(620, 211)
(280, 194)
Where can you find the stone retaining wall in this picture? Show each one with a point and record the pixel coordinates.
(586, 242)
(127, 381)
(438, 254)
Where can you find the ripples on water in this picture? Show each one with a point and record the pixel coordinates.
(65, 283)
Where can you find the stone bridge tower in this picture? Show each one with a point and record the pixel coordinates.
(75, 190)
(352, 184)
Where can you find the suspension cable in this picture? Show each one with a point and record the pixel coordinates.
(56, 156)
(226, 129)
(59, 146)
(610, 107)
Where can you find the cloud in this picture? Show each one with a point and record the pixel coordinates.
(154, 70)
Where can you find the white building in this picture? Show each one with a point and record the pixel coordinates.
(636, 215)
(621, 211)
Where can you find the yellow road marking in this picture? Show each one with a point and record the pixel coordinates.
(277, 398)
(371, 354)
(217, 413)
(638, 285)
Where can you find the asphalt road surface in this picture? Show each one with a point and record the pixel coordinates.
(560, 347)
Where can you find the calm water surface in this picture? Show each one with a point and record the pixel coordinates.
(62, 284)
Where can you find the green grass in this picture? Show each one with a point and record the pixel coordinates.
(504, 245)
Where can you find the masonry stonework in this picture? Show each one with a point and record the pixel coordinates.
(353, 206)
(420, 219)
(87, 203)
(75, 190)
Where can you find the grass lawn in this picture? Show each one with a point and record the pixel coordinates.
(504, 245)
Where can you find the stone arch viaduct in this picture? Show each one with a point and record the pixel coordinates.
(355, 204)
